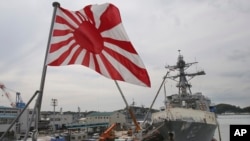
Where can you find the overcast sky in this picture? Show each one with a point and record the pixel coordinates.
(216, 33)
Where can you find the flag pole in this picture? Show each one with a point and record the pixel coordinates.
(39, 100)
(128, 108)
(123, 97)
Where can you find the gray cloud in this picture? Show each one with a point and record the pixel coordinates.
(214, 33)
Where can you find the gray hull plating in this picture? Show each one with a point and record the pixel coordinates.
(186, 131)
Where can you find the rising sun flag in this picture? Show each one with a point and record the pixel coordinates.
(95, 37)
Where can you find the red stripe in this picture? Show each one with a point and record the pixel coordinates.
(70, 14)
(85, 60)
(81, 16)
(74, 57)
(111, 69)
(109, 18)
(61, 32)
(61, 20)
(63, 56)
(89, 13)
(55, 47)
(97, 67)
(139, 73)
(125, 45)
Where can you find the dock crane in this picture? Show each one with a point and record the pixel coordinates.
(15, 104)
(107, 133)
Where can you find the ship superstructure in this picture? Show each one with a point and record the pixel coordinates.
(186, 116)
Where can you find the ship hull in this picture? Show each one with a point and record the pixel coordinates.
(185, 131)
(179, 124)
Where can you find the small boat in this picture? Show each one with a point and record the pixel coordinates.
(186, 116)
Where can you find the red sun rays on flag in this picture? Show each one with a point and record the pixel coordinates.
(95, 37)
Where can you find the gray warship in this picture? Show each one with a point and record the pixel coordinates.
(186, 116)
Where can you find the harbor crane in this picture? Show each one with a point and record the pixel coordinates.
(15, 104)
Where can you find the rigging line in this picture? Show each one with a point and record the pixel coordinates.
(165, 94)
(164, 78)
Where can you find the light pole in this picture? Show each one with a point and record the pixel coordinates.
(54, 103)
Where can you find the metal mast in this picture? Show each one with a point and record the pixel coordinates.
(183, 84)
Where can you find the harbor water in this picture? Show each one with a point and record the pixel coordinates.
(226, 120)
